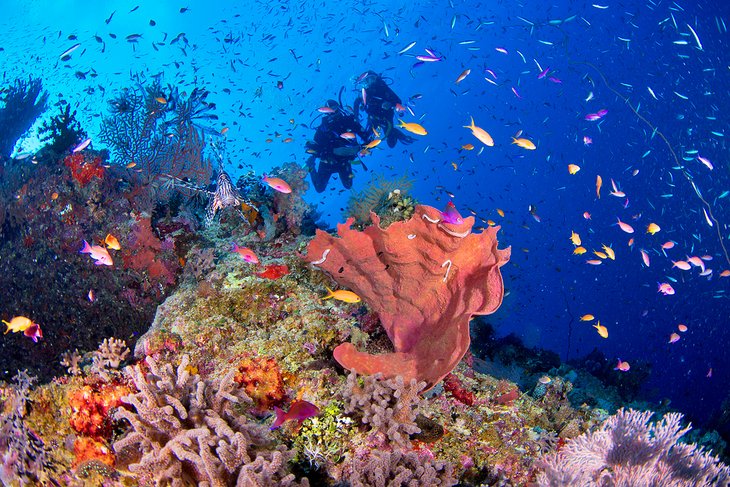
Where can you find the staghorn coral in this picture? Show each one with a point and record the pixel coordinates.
(396, 468)
(72, 362)
(627, 450)
(425, 279)
(191, 430)
(388, 406)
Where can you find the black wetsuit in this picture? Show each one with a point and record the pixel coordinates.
(334, 152)
(380, 107)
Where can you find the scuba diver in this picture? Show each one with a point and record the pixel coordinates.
(380, 103)
(335, 145)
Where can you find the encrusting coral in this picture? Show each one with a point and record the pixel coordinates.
(425, 279)
(192, 430)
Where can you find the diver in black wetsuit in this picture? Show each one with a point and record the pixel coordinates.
(335, 146)
(379, 101)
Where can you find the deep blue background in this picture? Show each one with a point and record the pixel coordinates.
(234, 50)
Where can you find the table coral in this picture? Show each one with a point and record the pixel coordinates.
(425, 279)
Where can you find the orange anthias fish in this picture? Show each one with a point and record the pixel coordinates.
(587, 318)
(573, 168)
(652, 228)
(625, 226)
(575, 238)
(599, 183)
(622, 366)
(299, 411)
(274, 271)
(342, 295)
(412, 127)
(26, 325)
(277, 183)
(602, 330)
(112, 242)
(247, 254)
(524, 143)
(481, 134)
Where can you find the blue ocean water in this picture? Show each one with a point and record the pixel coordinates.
(664, 60)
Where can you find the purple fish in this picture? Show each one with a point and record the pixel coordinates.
(451, 214)
(543, 73)
(299, 410)
(555, 80)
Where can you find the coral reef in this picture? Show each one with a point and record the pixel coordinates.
(159, 132)
(388, 198)
(387, 406)
(21, 103)
(425, 279)
(385, 468)
(191, 430)
(62, 132)
(628, 450)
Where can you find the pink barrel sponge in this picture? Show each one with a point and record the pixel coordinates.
(425, 279)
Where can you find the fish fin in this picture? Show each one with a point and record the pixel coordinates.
(280, 418)
(86, 248)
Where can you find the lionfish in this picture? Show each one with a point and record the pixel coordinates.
(225, 195)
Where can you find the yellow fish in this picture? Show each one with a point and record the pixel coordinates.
(573, 168)
(19, 323)
(342, 295)
(372, 144)
(587, 318)
(652, 228)
(480, 134)
(579, 251)
(600, 254)
(467, 147)
(112, 242)
(500, 212)
(602, 330)
(575, 238)
(161, 100)
(609, 252)
(524, 143)
(412, 127)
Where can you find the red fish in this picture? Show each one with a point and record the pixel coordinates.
(299, 410)
(274, 271)
(247, 254)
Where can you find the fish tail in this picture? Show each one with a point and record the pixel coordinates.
(330, 295)
(280, 418)
(86, 248)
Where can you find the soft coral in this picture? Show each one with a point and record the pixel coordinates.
(83, 169)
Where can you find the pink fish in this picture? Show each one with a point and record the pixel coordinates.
(706, 162)
(34, 332)
(451, 214)
(99, 254)
(325, 110)
(622, 366)
(514, 90)
(543, 73)
(299, 410)
(673, 338)
(645, 257)
(246, 253)
(587, 140)
(666, 289)
(277, 183)
(592, 117)
(502, 50)
(83, 145)
(555, 80)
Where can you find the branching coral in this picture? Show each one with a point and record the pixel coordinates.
(62, 132)
(386, 469)
(628, 450)
(109, 357)
(388, 406)
(24, 459)
(22, 102)
(191, 430)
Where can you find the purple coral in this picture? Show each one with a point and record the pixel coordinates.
(190, 430)
(384, 468)
(388, 406)
(628, 450)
